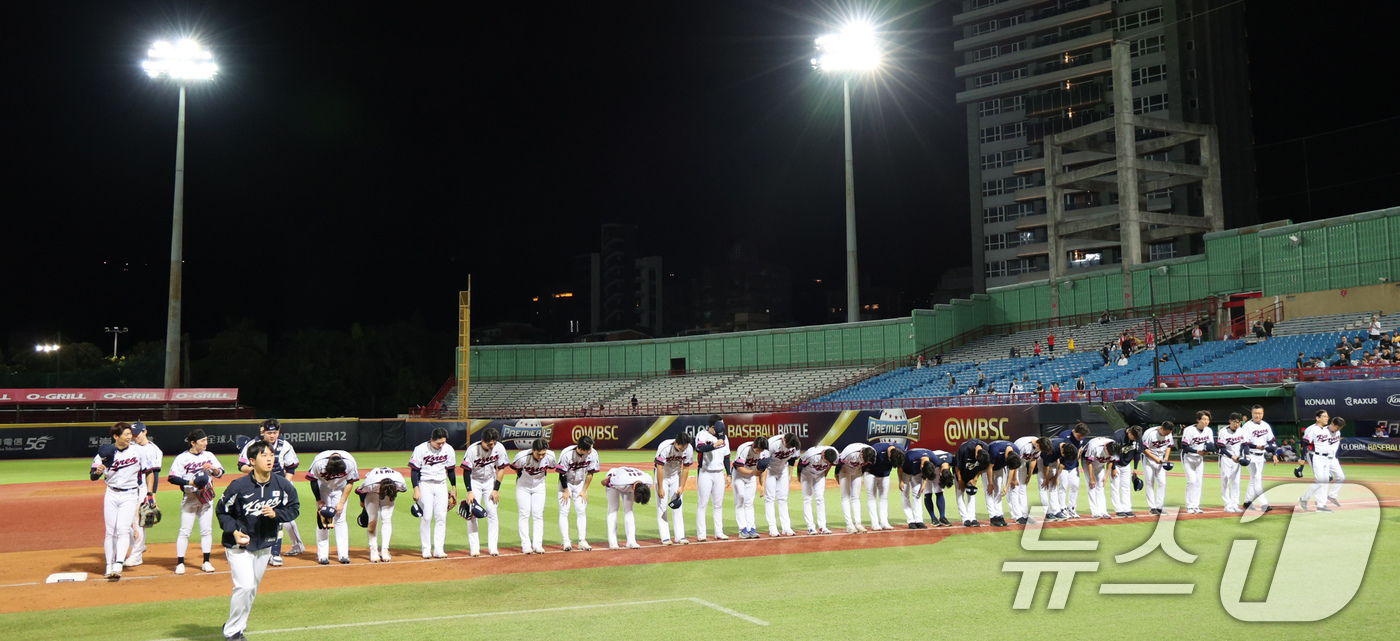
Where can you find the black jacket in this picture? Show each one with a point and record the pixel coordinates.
(240, 509)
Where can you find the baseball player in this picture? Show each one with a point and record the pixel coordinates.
(378, 493)
(434, 490)
(784, 451)
(1018, 498)
(192, 472)
(712, 477)
(1069, 486)
(876, 477)
(750, 461)
(484, 464)
(945, 462)
(917, 472)
(531, 467)
(672, 469)
(811, 473)
(1259, 443)
(151, 461)
(1326, 464)
(1062, 456)
(1196, 441)
(972, 459)
(1122, 480)
(1229, 445)
(625, 486)
(119, 465)
(853, 460)
(285, 465)
(251, 512)
(332, 475)
(1319, 428)
(1099, 455)
(1000, 479)
(1157, 446)
(577, 465)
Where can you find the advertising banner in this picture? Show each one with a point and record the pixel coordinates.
(62, 441)
(1366, 400)
(63, 396)
(1382, 449)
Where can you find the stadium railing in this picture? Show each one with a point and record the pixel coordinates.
(1309, 374)
(114, 413)
(1024, 398)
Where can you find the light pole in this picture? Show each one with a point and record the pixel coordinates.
(852, 51)
(183, 62)
(115, 332)
(52, 348)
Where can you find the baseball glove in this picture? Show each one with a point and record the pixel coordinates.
(325, 518)
(451, 501)
(464, 510)
(148, 514)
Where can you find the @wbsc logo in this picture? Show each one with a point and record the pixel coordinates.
(1319, 568)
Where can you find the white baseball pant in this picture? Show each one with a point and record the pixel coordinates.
(775, 499)
(381, 521)
(624, 499)
(745, 489)
(1121, 488)
(1255, 493)
(119, 513)
(1230, 483)
(529, 506)
(877, 499)
(1069, 489)
(294, 534)
(1050, 492)
(813, 493)
(850, 483)
(1194, 465)
(342, 532)
(967, 505)
(1155, 484)
(1325, 468)
(996, 491)
(138, 535)
(432, 500)
(192, 510)
(573, 496)
(246, 567)
(1018, 499)
(482, 491)
(709, 489)
(664, 513)
(911, 499)
(1098, 473)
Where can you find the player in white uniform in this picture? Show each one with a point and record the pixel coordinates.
(1099, 455)
(1325, 464)
(378, 493)
(1196, 440)
(484, 464)
(712, 476)
(152, 459)
(750, 461)
(672, 469)
(284, 464)
(854, 459)
(119, 464)
(1319, 428)
(531, 468)
(811, 472)
(577, 465)
(1259, 443)
(1156, 460)
(625, 486)
(332, 475)
(197, 500)
(1018, 501)
(434, 487)
(1229, 444)
(784, 450)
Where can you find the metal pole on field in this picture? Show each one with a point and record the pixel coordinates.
(464, 343)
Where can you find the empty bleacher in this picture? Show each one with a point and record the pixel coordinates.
(1330, 323)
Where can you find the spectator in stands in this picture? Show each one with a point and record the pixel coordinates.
(1054, 392)
(1343, 348)
(1288, 452)
(1196, 336)
(981, 378)
(1269, 327)
(1050, 343)
(1105, 318)
(1342, 361)
(1165, 358)
(1015, 353)
(919, 362)
(634, 403)
(1357, 342)
(1380, 432)
(952, 382)
(1107, 347)
(1226, 335)
(1016, 387)
(1375, 328)
(971, 391)
(992, 389)
(1070, 346)
(1126, 345)
(1040, 389)
(1151, 340)
(938, 358)
(1036, 350)
(749, 401)
(1259, 329)
(1300, 363)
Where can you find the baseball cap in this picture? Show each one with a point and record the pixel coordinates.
(271, 425)
(137, 428)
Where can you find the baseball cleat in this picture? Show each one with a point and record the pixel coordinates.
(860, 529)
(823, 531)
(296, 550)
(179, 569)
(999, 522)
(721, 536)
(700, 539)
(373, 556)
(385, 557)
(967, 523)
(427, 555)
(345, 560)
(523, 550)
(324, 561)
(613, 546)
(789, 533)
(1324, 508)
(1266, 508)
(116, 571)
(850, 529)
(811, 532)
(1334, 501)
(207, 567)
(436, 555)
(771, 534)
(975, 523)
(1245, 507)
(665, 541)
(1302, 505)
(276, 562)
(567, 548)
(682, 541)
(474, 554)
(633, 546)
(132, 562)
(495, 554)
(584, 546)
(236, 637)
(1023, 520)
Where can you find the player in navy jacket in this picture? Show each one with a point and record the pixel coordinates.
(1069, 489)
(888, 456)
(1000, 479)
(1060, 463)
(251, 513)
(1129, 440)
(973, 458)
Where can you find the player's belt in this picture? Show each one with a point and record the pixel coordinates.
(1322, 455)
(432, 480)
(122, 489)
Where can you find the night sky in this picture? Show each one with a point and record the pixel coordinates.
(354, 162)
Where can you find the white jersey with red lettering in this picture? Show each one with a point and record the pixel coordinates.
(851, 460)
(671, 461)
(621, 478)
(432, 463)
(748, 457)
(1096, 450)
(532, 471)
(1194, 439)
(123, 467)
(814, 458)
(380, 475)
(334, 482)
(713, 460)
(1310, 437)
(780, 453)
(576, 467)
(152, 459)
(1327, 443)
(1153, 441)
(186, 465)
(1259, 437)
(481, 465)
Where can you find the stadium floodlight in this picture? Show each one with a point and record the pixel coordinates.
(855, 49)
(183, 61)
(46, 348)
